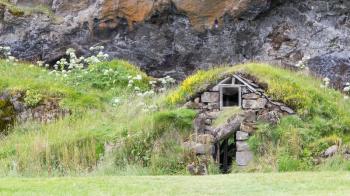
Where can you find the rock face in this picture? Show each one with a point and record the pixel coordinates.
(175, 37)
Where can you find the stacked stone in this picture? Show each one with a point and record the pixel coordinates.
(202, 142)
(256, 107)
(251, 104)
(46, 111)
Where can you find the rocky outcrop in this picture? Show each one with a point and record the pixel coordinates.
(175, 37)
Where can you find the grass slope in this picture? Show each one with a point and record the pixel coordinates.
(74, 145)
(298, 183)
(150, 140)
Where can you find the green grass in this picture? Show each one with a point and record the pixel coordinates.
(299, 183)
(75, 144)
(86, 89)
(22, 77)
(225, 115)
(323, 115)
(150, 142)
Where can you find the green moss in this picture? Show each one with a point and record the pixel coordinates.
(7, 114)
(180, 118)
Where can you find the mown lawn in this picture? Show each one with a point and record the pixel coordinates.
(298, 183)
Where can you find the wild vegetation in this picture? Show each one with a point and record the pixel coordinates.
(124, 122)
(298, 141)
(112, 103)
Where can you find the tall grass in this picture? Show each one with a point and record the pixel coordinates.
(147, 142)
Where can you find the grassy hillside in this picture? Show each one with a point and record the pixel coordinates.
(104, 110)
(146, 130)
(297, 183)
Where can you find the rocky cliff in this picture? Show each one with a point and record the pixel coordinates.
(175, 37)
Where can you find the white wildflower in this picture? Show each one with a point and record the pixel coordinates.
(11, 58)
(346, 89)
(40, 63)
(138, 77)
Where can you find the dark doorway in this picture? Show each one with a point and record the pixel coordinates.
(225, 154)
(230, 96)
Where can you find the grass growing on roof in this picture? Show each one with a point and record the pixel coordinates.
(323, 114)
(152, 140)
(198, 82)
(225, 115)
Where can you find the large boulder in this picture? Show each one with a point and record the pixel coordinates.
(330, 151)
(242, 146)
(210, 97)
(271, 117)
(254, 104)
(199, 148)
(251, 96)
(241, 136)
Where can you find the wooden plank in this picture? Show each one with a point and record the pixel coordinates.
(218, 152)
(245, 83)
(225, 154)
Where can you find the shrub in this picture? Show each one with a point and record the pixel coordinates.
(32, 98)
(287, 163)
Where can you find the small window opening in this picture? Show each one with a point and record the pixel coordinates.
(230, 96)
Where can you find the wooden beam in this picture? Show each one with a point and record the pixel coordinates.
(245, 83)
(225, 154)
(218, 152)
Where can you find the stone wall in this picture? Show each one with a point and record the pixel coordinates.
(256, 107)
(14, 109)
